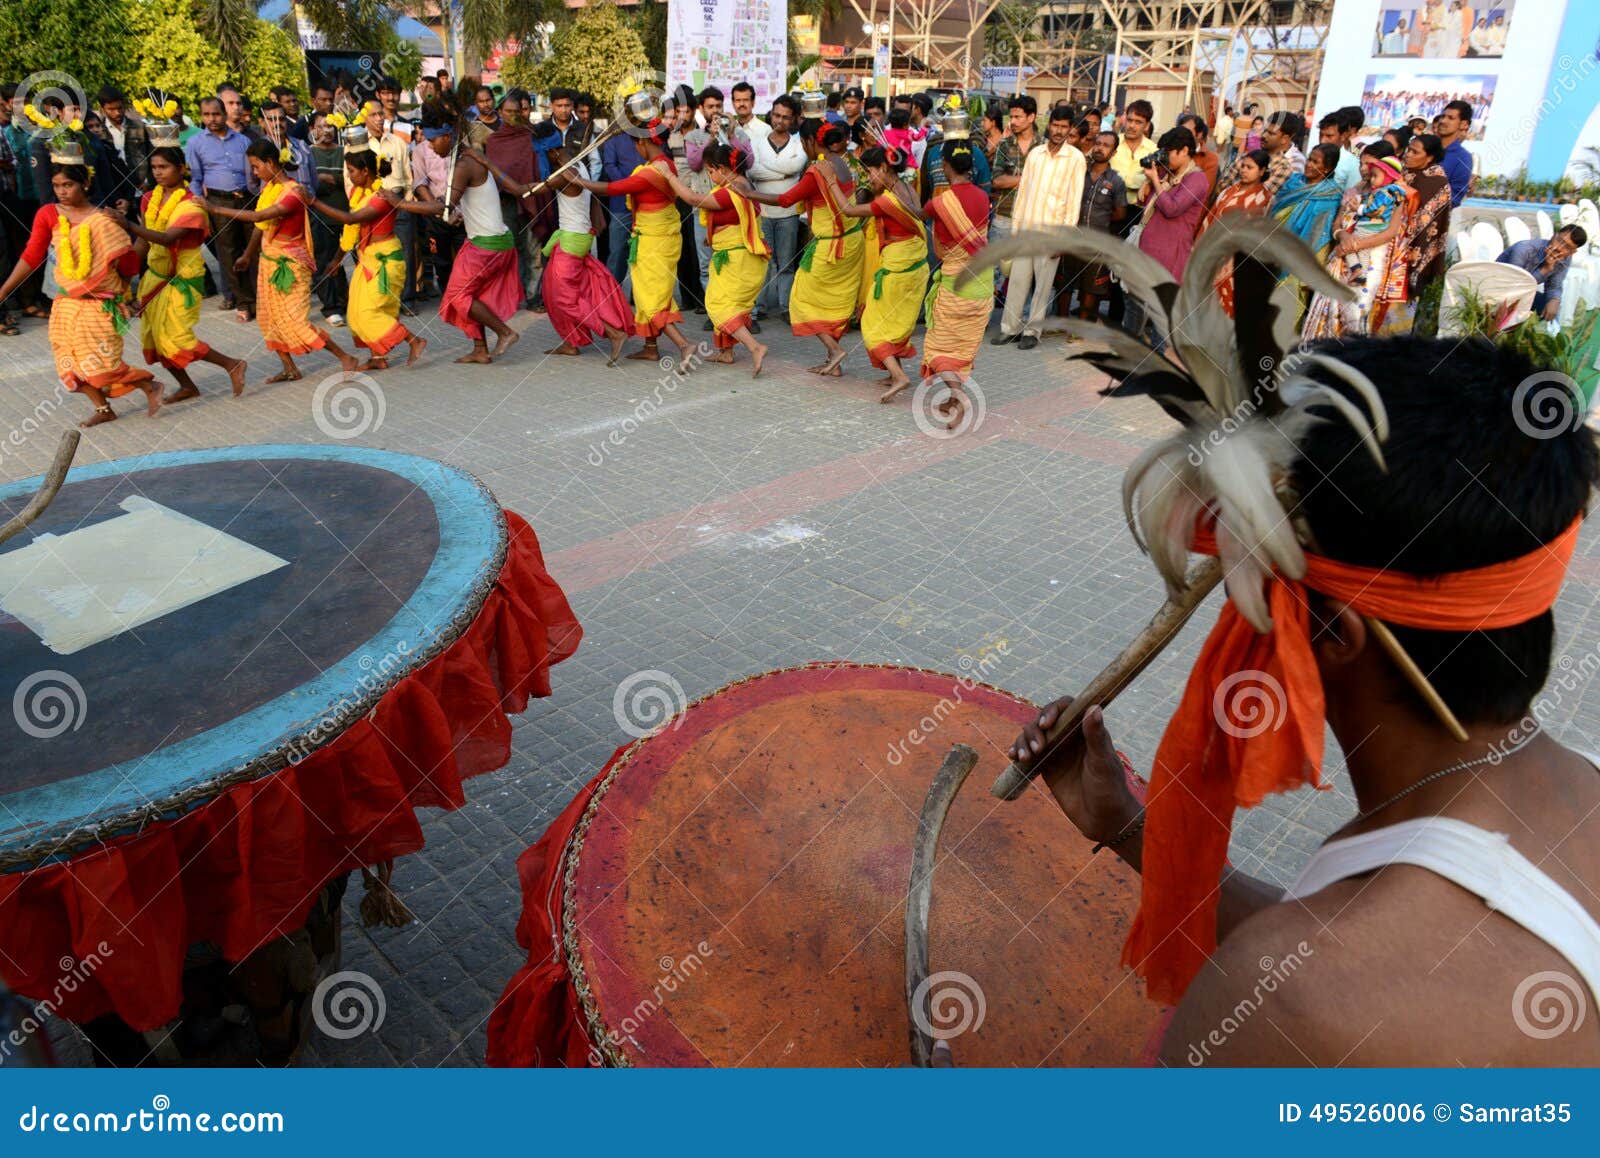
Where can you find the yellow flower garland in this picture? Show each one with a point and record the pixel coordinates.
(270, 192)
(67, 266)
(351, 234)
(158, 214)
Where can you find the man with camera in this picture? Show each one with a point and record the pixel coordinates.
(1174, 196)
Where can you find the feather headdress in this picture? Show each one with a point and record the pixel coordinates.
(1240, 390)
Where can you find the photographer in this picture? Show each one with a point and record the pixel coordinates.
(1174, 197)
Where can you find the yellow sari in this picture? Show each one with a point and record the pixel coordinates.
(653, 253)
(739, 256)
(167, 322)
(374, 309)
(88, 320)
(828, 281)
(283, 282)
(897, 286)
(957, 318)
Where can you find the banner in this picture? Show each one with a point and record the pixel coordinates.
(721, 42)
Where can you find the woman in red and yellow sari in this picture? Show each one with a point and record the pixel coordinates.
(282, 237)
(94, 260)
(656, 243)
(739, 253)
(374, 312)
(900, 281)
(828, 280)
(957, 317)
(174, 228)
(1248, 196)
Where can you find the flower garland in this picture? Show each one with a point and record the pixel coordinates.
(351, 234)
(67, 266)
(270, 192)
(158, 214)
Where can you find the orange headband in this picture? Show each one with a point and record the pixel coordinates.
(1251, 723)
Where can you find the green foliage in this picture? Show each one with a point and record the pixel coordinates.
(402, 59)
(1568, 351)
(88, 42)
(272, 57)
(1010, 21)
(799, 66)
(359, 24)
(487, 23)
(169, 53)
(595, 54)
(228, 25)
(1519, 186)
(649, 20)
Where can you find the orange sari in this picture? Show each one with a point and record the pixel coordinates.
(89, 318)
(1252, 201)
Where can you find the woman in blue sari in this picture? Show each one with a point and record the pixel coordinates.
(1307, 205)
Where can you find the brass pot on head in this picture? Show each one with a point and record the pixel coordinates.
(813, 104)
(640, 108)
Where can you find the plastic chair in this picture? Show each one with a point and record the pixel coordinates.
(1567, 214)
(1516, 230)
(1490, 240)
(1466, 248)
(1495, 284)
(1547, 227)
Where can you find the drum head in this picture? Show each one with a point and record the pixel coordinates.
(735, 894)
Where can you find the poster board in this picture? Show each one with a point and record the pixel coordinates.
(721, 42)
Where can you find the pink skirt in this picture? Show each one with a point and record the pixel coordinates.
(583, 298)
(485, 275)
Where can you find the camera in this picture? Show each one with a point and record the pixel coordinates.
(1157, 160)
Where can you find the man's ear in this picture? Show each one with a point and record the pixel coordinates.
(1340, 633)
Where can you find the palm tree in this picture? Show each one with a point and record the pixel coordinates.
(228, 24)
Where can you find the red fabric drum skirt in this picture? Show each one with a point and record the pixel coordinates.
(731, 891)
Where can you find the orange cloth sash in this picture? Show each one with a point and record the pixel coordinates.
(1252, 719)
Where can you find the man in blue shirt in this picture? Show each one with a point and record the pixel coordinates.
(219, 175)
(618, 158)
(1548, 262)
(1453, 125)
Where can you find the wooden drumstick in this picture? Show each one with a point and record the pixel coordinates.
(54, 477)
(1119, 673)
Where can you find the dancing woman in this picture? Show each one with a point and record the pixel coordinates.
(580, 295)
(656, 244)
(900, 281)
(173, 231)
(94, 260)
(374, 309)
(282, 238)
(828, 281)
(739, 252)
(956, 316)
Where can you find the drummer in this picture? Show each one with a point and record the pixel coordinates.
(1407, 949)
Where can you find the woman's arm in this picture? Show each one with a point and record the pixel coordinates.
(271, 213)
(147, 236)
(689, 197)
(368, 212)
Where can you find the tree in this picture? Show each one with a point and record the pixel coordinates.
(360, 24)
(227, 24)
(87, 42)
(596, 53)
(170, 54)
(487, 23)
(272, 57)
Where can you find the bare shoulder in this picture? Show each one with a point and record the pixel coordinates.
(1397, 968)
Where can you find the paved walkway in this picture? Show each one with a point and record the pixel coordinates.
(711, 529)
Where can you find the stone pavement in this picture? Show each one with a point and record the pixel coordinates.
(713, 529)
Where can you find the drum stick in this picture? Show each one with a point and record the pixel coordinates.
(958, 764)
(54, 477)
(1117, 675)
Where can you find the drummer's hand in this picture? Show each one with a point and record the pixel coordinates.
(1085, 773)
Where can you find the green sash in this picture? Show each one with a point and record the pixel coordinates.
(113, 309)
(498, 243)
(282, 278)
(576, 244)
(884, 271)
(811, 246)
(383, 268)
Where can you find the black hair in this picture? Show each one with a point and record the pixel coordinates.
(833, 101)
(1469, 483)
(172, 155)
(7, 91)
(1333, 120)
(281, 90)
(270, 106)
(880, 155)
(1063, 113)
(958, 155)
(265, 150)
(322, 86)
(480, 90)
(924, 102)
(788, 102)
(1026, 103)
(1292, 125)
(109, 93)
(743, 86)
(1403, 135)
(810, 128)
(1086, 128)
(386, 84)
(1354, 116)
(227, 86)
(833, 135)
(1462, 109)
(995, 114)
(873, 102)
(710, 93)
(1176, 139)
(244, 103)
(1378, 149)
(1576, 233)
(211, 100)
(900, 118)
(1141, 108)
(1196, 126)
(1329, 154)
(367, 160)
(1262, 158)
(78, 173)
(728, 157)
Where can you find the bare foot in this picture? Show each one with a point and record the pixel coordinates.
(886, 380)
(236, 376)
(894, 388)
(507, 340)
(374, 364)
(817, 369)
(723, 358)
(99, 416)
(830, 368)
(347, 363)
(417, 346)
(566, 350)
(649, 354)
(685, 352)
(181, 394)
(152, 395)
(291, 375)
(757, 357)
(476, 357)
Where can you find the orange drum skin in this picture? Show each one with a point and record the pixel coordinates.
(734, 893)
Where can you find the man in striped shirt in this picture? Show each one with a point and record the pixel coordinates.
(1049, 194)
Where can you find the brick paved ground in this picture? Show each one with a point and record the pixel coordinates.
(744, 526)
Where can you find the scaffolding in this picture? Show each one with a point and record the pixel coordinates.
(938, 34)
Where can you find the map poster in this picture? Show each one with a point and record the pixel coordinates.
(721, 42)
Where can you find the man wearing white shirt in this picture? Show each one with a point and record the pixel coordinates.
(1049, 194)
(743, 95)
(777, 159)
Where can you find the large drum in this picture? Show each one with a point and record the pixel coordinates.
(234, 675)
(731, 891)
